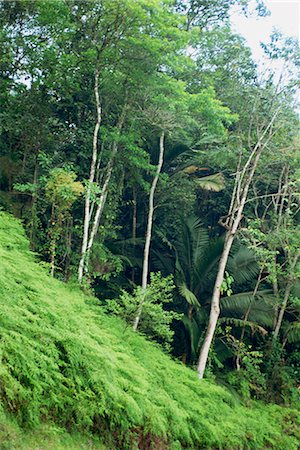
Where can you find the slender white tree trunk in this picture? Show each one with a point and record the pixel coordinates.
(240, 194)
(234, 221)
(149, 227)
(282, 310)
(87, 205)
(286, 296)
(102, 199)
(215, 307)
(52, 263)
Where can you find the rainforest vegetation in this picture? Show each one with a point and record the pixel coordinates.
(149, 228)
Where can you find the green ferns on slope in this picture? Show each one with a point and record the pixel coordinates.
(64, 361)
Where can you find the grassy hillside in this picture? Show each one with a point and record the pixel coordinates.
(67, 366)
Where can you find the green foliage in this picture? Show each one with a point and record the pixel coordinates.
(282, 379)
(66, 362)
(155, 321)
(62, 190)
(47, 436)
(226, 286)
(168, 65)
(249, 381)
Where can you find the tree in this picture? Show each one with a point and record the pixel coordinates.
(162, 115)
(118, 29)
(265, 131)
(274, 233)
(193, 258)
(61, 190)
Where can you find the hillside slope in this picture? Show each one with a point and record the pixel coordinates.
(64, 362)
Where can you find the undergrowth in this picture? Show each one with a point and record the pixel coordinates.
(64, 362)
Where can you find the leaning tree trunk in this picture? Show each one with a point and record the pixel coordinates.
(149, 228)
(235, 219)
(286, 295)
(87, 206)
(240, 193)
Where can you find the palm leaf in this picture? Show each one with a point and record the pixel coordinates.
(185, 241)
(213, 182)
(242, 264)
(244, 323)
(163, 261)
(188, 295)
(293, 332)
(194, 328)
(261, 307)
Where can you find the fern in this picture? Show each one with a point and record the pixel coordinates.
(63, 361)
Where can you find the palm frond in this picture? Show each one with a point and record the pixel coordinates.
(293, 332)
(260, 308)
(201, 243)
(242, 264)
(244, 323)
(213, 182)
(163, 262)
(206, 269)
(194, 328)
(185, 241)
(188, 295)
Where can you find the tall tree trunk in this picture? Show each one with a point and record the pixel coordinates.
(286, 295)
(230, 235)
(149, 228)
(134, 212)
(232, 222)
(282, 310)
(134, 224)
(33, 227)
(87, 205)
(104, 191)
(215, 306)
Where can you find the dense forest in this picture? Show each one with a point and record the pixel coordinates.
(155, 169)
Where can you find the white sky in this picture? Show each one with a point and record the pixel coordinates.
(285, 16)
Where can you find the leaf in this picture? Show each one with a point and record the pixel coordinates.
(293, 333)
(243, 264)
(244, 323)
(214, 183)
(188, 295)
(261, 306)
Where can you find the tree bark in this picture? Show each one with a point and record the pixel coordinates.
(232, 222)
(286, 296)
(149, 229)
(87, 217)
(215, 306)
(134, 224)
(104, 190)
(282, 310)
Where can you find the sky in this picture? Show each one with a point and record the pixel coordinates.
(285, 16)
